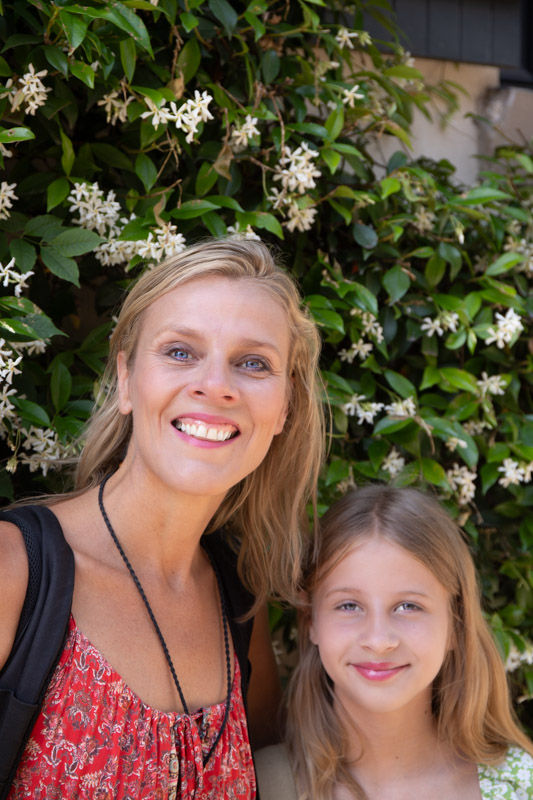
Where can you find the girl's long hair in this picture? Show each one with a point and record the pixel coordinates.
(471, 699)
(267, 509)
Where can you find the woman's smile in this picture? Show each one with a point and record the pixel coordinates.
(208, 384)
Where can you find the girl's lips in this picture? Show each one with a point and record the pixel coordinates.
(379, 671)
(203, 431)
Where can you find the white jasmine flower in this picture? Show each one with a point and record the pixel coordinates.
(402, 408)
(36, 347)
(97, 212)
(449, 320)
(514, 659)
(297, 170)
(424, 220)
(9, 275)
(278, 198)
(453, 443)
(513, 473)
(300, 218)
(189, 115)
(474, 427)
(9, 368)
(5, 151)
(6, 196)
(462, 482)
(431, 326)
(7, 409)
(371, 326)
(528, 471)
(160, 115)
(171, 242)
(116, 107)
(344, 37)
(241, 134)
(393, 463)
(351, 407)
(30, 90)
(46, 449)
(351, 95)
(491, 384)
(508, 325)
(247, 233)
(367, 411)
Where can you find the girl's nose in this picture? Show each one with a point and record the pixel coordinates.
(378, 634)
(215, 382)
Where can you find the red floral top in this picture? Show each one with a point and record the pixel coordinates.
(95, 739)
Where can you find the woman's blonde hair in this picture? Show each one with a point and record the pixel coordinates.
(471, 700)
(267, 509)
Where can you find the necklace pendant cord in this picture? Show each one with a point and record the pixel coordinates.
(158, 629)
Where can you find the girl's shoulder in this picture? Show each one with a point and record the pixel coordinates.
(274, 774)
(510, 780)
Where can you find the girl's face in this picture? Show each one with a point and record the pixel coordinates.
(208, 386)
(381, 621)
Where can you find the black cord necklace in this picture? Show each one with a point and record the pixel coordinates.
(158, 629)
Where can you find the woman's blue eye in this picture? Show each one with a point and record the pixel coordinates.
(348, 607)
(409, 607)
(179, 354)
(255, 364)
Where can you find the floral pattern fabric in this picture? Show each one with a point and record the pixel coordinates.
(95, 739)
(512, 780)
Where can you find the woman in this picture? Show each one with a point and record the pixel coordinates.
(210, 417)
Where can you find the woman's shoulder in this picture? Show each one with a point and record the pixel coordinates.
(274, 774)
(510, 780)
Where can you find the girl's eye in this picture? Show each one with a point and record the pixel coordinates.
(409, 607)
(348, 606)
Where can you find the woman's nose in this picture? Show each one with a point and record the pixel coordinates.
(215, 381)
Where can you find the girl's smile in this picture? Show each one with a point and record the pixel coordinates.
(381, 621)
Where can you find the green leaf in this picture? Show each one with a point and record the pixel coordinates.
(31, 412)
(206, 177)
(338, 470)
(396, 281)
(60, 385)
(260, 219)
(489, 475)
(56, 58)
(83, 72)
(60, 265)
(57, 191)
(189, 59)
(365, 235)
(504, 263)
(455, 340)
(146, 170)
(460, 379)
(434, 473)
(451, 254)
(388, 425)
(45, 226)
(270, 66)
(481, 195)
(435, 269)
(347, 150)
(16, 330)
(335, 122)
(253, 20)
(127, 21)
(193, 208)
(24, 254)
(128, 57)
(75, 28)
(189, 21)
(68, 157)
(43, 325)
(403, 71)
(367, 300)
(17, 134)
(344, 212)
(225, 14)
(329, 319)
(5, 69)
(75, 242)
(214, 224)
(401, 385)
(225, 202)
(389, 186)
(112, 155)
(332, 159)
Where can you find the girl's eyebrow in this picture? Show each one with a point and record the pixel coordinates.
(355, 590)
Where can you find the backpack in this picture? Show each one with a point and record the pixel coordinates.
(40, 635)
(44, 622)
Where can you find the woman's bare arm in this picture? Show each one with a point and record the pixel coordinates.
(14, 582)
(264, 694)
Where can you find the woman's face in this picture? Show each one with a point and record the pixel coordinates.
(381, 621)
(208, 386)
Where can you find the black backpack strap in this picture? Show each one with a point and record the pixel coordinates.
(239, 601)
(41, 632)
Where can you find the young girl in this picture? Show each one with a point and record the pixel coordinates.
(400, 691)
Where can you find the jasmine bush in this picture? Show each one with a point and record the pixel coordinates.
(130, 129)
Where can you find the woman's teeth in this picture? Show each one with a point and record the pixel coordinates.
(200, 431)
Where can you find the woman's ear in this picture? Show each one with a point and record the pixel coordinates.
(123, 384)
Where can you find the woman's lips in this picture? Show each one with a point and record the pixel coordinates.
(382, 671)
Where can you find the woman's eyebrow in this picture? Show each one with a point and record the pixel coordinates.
(192, 333)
